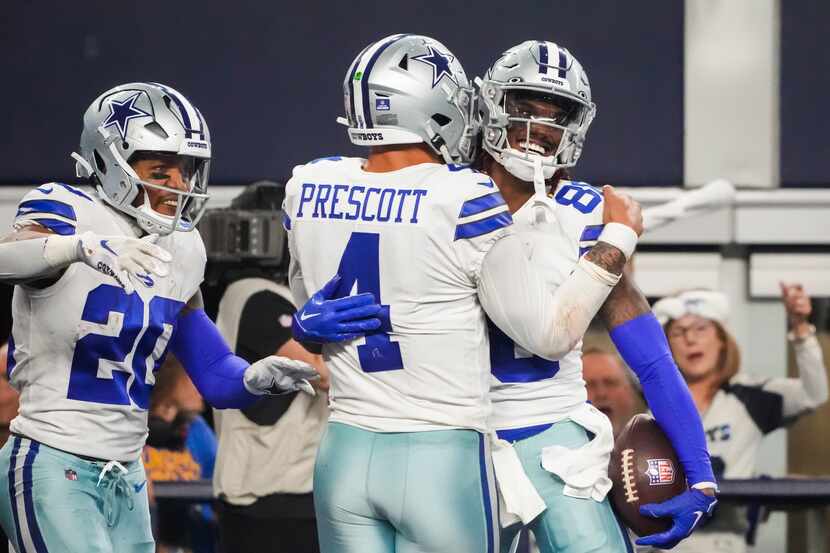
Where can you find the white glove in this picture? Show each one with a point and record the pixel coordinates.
(124, 259)
(275, 375)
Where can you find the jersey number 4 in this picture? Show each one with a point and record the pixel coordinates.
(105, 305)
(361, 264)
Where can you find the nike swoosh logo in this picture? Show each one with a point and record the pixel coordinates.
(45, 190)
(106, 247)
(305, 316)
(139, 487)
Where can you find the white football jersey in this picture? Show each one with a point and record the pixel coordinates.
(415, 238)
(85, 352)
(528, 390)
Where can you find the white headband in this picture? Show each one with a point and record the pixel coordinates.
(703, 303)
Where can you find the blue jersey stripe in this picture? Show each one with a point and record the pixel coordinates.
(591, 232)
(516, 434)
(485, 492)
(47, 207)
(12, 496)
(31, 516)
(10, 362)
(286, 221)
(58, 227)
(482, 203)
(483, 226)
(364, 81)
(543, 58)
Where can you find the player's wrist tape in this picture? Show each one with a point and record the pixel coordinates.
(705, 486)
(60, 251)
(598, 273)
(621, 237)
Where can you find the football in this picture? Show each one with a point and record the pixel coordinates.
(644, 469)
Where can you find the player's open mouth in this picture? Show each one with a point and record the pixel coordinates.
(541, 149)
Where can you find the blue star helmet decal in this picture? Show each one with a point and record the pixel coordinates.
(440, 64)
(122, 112)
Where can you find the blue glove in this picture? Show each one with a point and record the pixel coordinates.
(323, 319)
(688, 510)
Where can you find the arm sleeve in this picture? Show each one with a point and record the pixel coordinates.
(517, 299)
(215, 371)
(809, 390)
(643, 345)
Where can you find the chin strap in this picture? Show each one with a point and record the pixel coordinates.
(539, 213)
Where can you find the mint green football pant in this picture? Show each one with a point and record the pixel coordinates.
(569, 524)
(406, 492)
(51, 501)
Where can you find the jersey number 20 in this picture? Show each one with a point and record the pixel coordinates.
(84, 382)
(361, 264)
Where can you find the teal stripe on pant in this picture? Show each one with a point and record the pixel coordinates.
(408, 492)
(569, 525)
(50, 501)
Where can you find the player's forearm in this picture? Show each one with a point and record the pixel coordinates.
(812, 371)
(545, 322)
(27, 255)
(643, 345)
(626, 302)
(216, 372)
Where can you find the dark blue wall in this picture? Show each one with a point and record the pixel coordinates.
(805, 92)
(267, 75)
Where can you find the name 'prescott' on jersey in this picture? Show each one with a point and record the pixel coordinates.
(528, 390)
(415, 238)
(84, 352)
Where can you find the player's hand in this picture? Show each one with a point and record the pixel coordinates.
(688, 510)
(621, 208)
(798, 306)
(275, 375)
(124, 259)
(323, 319)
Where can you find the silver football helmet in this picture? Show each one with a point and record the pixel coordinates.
(140, 119)
(406, 89)
(535, 87)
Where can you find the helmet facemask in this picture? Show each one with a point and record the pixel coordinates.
(533, 133)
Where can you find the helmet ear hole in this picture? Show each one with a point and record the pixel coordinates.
(99, 162)
(404, 63)
(441, 119)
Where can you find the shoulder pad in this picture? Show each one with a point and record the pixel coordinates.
(55, 206)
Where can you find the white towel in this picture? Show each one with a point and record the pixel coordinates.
(584, 470)
(518, 498)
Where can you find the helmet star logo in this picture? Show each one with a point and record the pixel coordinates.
(440, 64)
(122, 112)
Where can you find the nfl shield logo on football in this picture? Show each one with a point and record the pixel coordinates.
(382, 104)
(660, 472)
(70, 474)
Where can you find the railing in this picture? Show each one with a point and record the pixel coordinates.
(812, 494)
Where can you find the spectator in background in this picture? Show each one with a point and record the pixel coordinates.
(611, 386)
(266, 453)
(738, 410)
(180, 447)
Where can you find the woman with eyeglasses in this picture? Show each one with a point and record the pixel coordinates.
(738, 410)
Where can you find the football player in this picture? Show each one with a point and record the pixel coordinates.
(404, 465)
(535, 108)
(107, 283)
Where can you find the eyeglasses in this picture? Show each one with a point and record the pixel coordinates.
(696, 329)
